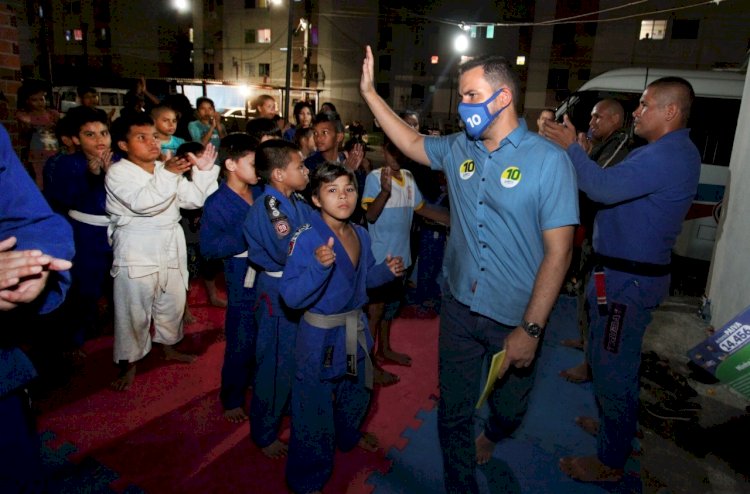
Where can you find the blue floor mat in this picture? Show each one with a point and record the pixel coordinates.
(527, 462)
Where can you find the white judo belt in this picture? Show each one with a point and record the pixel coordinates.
(355, 333)
(249, 274)
(89, 219)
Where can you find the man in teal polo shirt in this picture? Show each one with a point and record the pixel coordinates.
(513, 207)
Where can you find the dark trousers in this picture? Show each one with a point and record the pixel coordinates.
(241, 330)
(325, 415)
(614, 353)
(466, 341)
(20, 464)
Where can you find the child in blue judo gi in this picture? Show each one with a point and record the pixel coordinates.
(74, 186)
(221, 238)
(329, 269)
(274, 217)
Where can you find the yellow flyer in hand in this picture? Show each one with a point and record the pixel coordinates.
(492, 377)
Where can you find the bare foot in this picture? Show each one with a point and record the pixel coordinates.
(369, 442)
(382, 377)
(588, 424)
(170, 353)
(188, 317)
(589, 469)
(395, 357)
(484, 448)
(579, 374)
(218, 301)
(571, 343)
(275, 450)
(125, 379)
(235, 415)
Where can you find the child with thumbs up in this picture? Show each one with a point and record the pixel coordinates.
(327, 273)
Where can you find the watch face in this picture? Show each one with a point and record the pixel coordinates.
(532, 329)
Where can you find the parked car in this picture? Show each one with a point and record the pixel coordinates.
(235, 118)
(65, 98)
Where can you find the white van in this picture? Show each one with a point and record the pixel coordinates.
(66, 97)
(713, 122)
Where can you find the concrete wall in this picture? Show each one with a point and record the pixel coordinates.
(729, 279)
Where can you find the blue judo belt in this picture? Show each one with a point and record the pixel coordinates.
(355, 333)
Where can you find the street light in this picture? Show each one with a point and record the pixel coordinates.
(460, 45)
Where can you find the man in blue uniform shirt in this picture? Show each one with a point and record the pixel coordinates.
(645, 198)
(513, 207)
(35, 248)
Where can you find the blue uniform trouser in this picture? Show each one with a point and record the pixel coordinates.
(615, 355)
(325, 415)
(241, 330)
(20, 465)
(466, 340)
(431, 252)
(91, 279)
(274, 356)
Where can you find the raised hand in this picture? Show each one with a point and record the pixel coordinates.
(177, 165)
(366, 83)
(395, 264)
(206, 160)
(385, 179)
(101, 163)
(355, 156)
(325, 254)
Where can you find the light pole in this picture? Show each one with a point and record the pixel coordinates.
(460, 45)
(288, 61)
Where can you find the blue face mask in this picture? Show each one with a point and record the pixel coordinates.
(477, 117)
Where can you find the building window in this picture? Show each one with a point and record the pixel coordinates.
(264, 36)
(78, 34)
(264, 69)
(557, 79)
(652, 29)
(249, 69)
(73, 7)
(253, 4)
(102, 37)
(250, 36)
(491, 31)
(384, 62)
(685, 28)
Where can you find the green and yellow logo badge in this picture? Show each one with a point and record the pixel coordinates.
(510, 177)
(467, 169)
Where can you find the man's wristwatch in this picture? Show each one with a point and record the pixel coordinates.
(532, 329)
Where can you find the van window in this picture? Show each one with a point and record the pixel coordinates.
(713, 122)
(107, 98)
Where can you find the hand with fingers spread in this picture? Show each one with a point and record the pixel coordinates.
(325, 254)
(23, 273)
(563, 134)
(396, 265)
(206, 161)
(355, 156)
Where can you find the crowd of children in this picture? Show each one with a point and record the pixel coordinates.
(288, 223)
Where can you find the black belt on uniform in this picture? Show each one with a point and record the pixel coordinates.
(632, 267)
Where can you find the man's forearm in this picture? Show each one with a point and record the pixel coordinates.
(547, 284)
